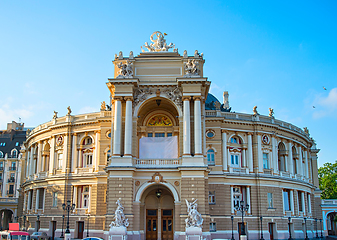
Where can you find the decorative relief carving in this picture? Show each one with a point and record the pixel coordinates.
(157, 178)
(194, 218)
(137, 183)
(59, 140)
(125, 69)
(191, 68)
(265, 139)
(176, 183)
(158, 43)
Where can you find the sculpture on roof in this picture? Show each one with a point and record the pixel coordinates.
(159, 43)
(255, 110)
(194, 217)
(191, 68)
(69, 110)
(120, 219)
(271, 113)
(306, 130)
(103, 106)
(55, 115)
(125, 69)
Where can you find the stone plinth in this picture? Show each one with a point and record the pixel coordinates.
(117, 233)
(194, 233)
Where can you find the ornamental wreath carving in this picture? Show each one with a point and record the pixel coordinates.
(194, 217)
(120, 219)
(125, 69)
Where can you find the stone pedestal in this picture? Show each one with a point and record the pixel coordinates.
(243, 237)
(194, 233)
(117, 233)
(67, 236)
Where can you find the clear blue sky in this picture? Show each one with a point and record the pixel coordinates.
(276, 54)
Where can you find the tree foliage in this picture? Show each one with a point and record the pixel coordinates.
(327, 176)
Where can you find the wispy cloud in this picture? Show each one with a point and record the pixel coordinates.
(88, 109)
(326, 105)
(8, 114)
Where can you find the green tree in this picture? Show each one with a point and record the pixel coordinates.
(327, 176)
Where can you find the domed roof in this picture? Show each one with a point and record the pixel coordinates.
(211, 101)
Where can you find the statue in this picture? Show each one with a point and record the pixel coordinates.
(306, 130)
(185, 54)
(115, 56)
(191, 68)
(255, 111)
(194, 217)
(69, 110)
(159, 43)
(55, 115)
(120, 55)
(131, 55)
(271, 113)
(217, 105)
(103, 106)
(197, 55)
(120, 219)
(126, 70)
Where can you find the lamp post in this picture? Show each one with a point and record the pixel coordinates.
(62, 226)
(232, 218)
(316, 228)
(68, 207)
(289, 220)
(37, 222)
(305, 225)
(321, 228)
(242, 208)
(24, 222)
(88, 226)
(261, 229)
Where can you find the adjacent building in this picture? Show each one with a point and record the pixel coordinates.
(11, 140)
(165, 139)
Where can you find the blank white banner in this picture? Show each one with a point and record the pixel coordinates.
(158, 147)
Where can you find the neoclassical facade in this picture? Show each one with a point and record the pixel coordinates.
(165, 139)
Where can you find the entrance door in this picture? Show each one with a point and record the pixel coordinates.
(151, 224)
(167, 224)
(80, 229)
(271, 230)
(53, 229)
(240, 228)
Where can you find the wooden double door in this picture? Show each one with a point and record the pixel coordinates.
(166, 224)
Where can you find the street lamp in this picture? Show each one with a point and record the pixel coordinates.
(242, 208)
(62, 226)
(289, 219)
(261, 229)
(316, 228)
(68, 207)
(305, 225)
(321, 228)
(37, 222)
(88, 226)
(24, 222)
(232, 218)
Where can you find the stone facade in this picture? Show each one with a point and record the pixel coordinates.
(222, 158)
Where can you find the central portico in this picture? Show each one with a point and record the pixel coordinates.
(158, 145)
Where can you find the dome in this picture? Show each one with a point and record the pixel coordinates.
(210, 103)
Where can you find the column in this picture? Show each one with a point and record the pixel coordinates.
(224, 151)
(80, 159)
(232, 201)
(96, 151)
(244, 158)
(303, 203)
(197, 126)
(128, 127)
(44, 199)
(275, 155)
(29, 207)
(4, 181)
(74, 153)
(18, 178)
(37, 199)
(27, 163)
(65, 153)
(75, 196)
(300, 161)
(292, 201)
(39, 158)
(186, 127)
(306, 164)
(52, 155)
(259, 153)
(309, 203)
(31, 162)
(250, 152)
(117, 127)
(290, 158)
(248, 199)
(90, 196)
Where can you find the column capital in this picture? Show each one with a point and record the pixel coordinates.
(186, 98)
(224, 131)
(250, 133)
(118, 98)
(197, 98)
(128, 98)
(74, 134)
(97, 131)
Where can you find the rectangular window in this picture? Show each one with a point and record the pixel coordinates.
(88, 160)
(169, 134)
(17, 144)
(235, 160)
(13, 165)
(55, 199)
(270, 200)
(212, 227)
(11, 189)
(59, 160)
(286, 200)
(41, 194)
(239, 194)
(211, 197)
(1, 176)
(265, 161)
(159, 135)
(150, 135)
(299, 199)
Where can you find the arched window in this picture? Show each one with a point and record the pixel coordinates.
(210, 157)
(281, 157)
(14, 153)
(295, 156)
(235, 152)
(1, 154)
(108, 155)
(87, 141)
(236, 140)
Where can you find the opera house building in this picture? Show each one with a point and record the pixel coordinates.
(164, 139)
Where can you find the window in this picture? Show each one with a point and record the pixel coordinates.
(210, 134)
(12, 177)
(265, 161)
(286, 200)
(270, 200)
(13, 165)
(239, 194)
(11, 189)
(1, 154)
(159, 135)
(17, 144)
(234, 140)
(41, 194)
(14, 153)
(0, 176)
(88, 160)
(299, 199)
(59, 160)
(55, 199)
(88, 141)
(83, 196)
(150, 135)
(212, 227)
(235, 160)
(211, 197)
(108, 155)
(210, 157)
(169, 134)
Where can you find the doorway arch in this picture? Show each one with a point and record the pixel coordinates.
(7, 216)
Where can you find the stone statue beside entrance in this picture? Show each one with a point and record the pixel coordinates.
(118, 226)
(193, 222)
